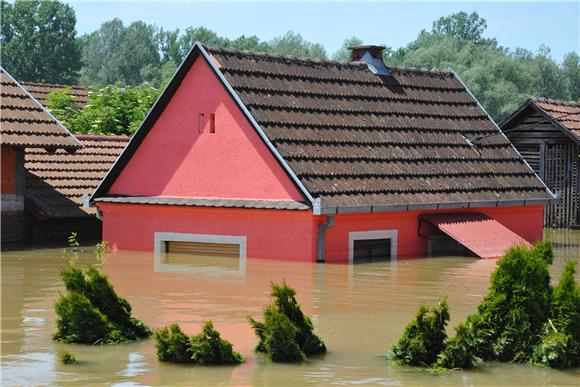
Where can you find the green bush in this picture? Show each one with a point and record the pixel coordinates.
(92, 303)
(509, 321)
(560, 344)
(65, 357)
(209, 348)
(173, 345)
(457, 352)
(424, 338)
(206, 348)
(286, 335)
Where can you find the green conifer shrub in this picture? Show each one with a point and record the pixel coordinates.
(560, 343)
(457, 352)
(286, 335)
(509, 321)
(173, 345)
(92, 312)
(207, 348)
(424, 338)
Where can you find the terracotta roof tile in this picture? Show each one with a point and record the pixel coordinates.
(40, 91)
(355, 138)
(56, 182)
(25, 123)
(566, 113)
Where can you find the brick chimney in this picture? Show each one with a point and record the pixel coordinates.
(372, 55)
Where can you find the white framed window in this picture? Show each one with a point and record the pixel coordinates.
(200, 244)
(369, 241)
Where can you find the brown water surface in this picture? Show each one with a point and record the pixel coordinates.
(358, 310)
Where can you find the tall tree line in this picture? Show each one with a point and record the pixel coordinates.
(39, 43)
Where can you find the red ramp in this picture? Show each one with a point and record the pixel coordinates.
(481, 234)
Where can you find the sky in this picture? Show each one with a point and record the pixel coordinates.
(526, 24)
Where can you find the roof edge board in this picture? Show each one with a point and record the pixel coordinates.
(501, 132)
(255, 124)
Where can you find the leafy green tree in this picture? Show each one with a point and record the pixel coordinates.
(461, 25)
(571, 71)
(39, 41)
(116, 53)
(63, 105)
(293, 44)
(343, 53)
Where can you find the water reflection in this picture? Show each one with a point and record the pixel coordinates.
(359, 311)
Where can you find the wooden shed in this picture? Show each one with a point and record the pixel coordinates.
(267, 156)
(546, 132)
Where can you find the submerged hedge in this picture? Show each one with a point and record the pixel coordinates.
(521, 320)
(91, 312)
(207, 348)
(286, 335)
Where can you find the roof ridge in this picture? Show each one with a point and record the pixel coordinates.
(56, 85)
(280, 57)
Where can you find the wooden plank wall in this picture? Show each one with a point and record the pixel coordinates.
(554, 157)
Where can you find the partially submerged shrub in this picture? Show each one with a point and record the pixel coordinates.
(286, 335)
(509, 321)
(206, 348)
(92, 311)
(424, 338)
(173, 345)
(209, 348)
(457, 352)
(560, 344)
(65, 357)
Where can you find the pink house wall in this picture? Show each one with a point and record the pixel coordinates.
(271, 234)
(526, 221)
(175, 159)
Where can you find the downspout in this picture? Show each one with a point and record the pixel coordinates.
(321, 239)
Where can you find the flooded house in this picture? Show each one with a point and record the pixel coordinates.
(256, 155)
(25, 126)
(547, 134)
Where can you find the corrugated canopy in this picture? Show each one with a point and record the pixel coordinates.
(484, 236)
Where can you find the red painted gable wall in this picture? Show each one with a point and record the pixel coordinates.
(175, 159)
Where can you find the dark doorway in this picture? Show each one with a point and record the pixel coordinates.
(371, 250)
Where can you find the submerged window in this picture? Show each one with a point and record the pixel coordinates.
(371, 250)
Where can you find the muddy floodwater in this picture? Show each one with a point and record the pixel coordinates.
(358, 310)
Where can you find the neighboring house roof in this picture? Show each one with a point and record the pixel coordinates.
(56, 182)
(562, 114)
(25, 123)
(356, 139)
(40, 91)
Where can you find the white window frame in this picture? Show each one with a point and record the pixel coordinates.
(160, 248)
(374, 234)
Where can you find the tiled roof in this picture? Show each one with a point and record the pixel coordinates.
(357, 139)
(208, 202)
(566, 113)
(25, 123)
(57, 181)
(40, 91)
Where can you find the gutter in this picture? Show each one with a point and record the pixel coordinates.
(321, 239)
(335, 210)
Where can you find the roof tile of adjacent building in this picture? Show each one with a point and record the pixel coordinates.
(40, 91)
(357, 139)
(25, 123)
(565, 113)
(56, 182)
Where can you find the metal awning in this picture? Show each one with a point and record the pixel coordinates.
(483, 235)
